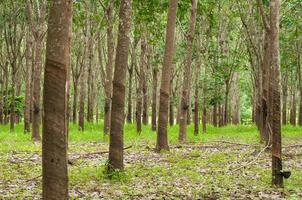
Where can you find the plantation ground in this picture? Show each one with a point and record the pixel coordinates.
(225, 163)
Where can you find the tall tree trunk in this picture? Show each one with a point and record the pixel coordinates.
(300, 86)
(54, 144)
(171, 104)
(12, 106)
(196, 103)
(235, 100)
(28, 97)
(162, 138)
(293, 110)
(284, 98)
(109, 68)
(90, 81)
(75, 100)
(145, 87)
(36, 120)
(129, 113)
(140, 89)
(185, 104)
(171, 111)
(154, 98)
(82, 99)
(6, 113)
(116, 153)
(215, 119)
(226, 104)
(139, 104)
(265, 66)
(275, 91)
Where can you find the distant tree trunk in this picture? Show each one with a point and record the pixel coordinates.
(75, 100)
(145, 88)
(264, 103)
(109, 68)
(140, 89)
(38, 33)
(118, 98)
(215, 120)
(236, 100)
(82, 99)
(204, 108)
(300, 86)
(90, 81)
(171, 104)
(293, 110)
(275, 91)
(139, 104)
(54, 145)
(185, 103)
(37, 91)
(6, 98)
(171, 112)
(284, 98)
(129, 113)
(130, 71)
(162, 139)
(28, 97)
(154, 98)
(196, 95)
(226, 104)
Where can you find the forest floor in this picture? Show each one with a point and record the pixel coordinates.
(224, 163)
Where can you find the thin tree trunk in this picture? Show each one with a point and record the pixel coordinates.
(82, 100)
(12, 108)
(129, 113)
(109, 68)
(154, 98)
(54, 145)
(215, 120)
(145, 89)
(293, 111)
(90, 81)
(235, 100)
(75, 101)
(275, 91)
(36, 120)
(284, 98)
(162, 138)
(116, 153)
(226, 105)
(185, 99)
(300, 86)
(29, 61)
(6, 99)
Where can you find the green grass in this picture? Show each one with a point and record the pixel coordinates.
(181, 173)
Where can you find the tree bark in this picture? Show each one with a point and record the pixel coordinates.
(275, 108)
(36, 120)
(118, 97)
(154, 98)
(109, 68)
(162, 138)
(236, 100)
(28, 97)
(145, 88)
(54, 144)
(185, 104)
(293, 110)
(284, 98)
